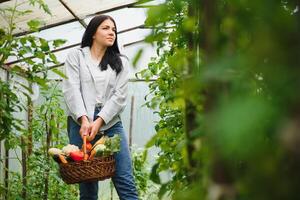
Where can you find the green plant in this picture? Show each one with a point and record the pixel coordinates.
(34, 56)
(49, 118)
(168, 93)
(146, 188)
(226, 92)
(139, 170)
(48, 128)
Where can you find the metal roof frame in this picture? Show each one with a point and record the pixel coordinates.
(132, 4)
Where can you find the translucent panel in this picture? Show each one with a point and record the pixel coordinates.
(87, 7)
(59, 14)
(72, 32)
(154, 2)
(131, 51)
(126, 18)
(61, 57)
(3, 21)
(2, 74)
(142, 117)
(133, 36)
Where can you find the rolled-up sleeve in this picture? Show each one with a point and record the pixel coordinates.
(117, 102)
(71, 85)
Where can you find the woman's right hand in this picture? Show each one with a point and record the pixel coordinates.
(85, 126)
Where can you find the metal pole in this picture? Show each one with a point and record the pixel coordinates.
(131, 120)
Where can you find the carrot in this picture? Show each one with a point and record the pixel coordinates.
(92, 155)
(86, 156)
(62, 159)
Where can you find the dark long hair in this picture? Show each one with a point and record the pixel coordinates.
(112, 53)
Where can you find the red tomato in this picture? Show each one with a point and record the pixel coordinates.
(88, 146)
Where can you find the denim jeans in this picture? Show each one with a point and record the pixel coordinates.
(123, 179)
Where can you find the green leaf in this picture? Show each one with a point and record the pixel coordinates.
(163, 189)
(40, 81)
(154, 176)
(137, 57)
(39, 54)
(34, 25)
(53, 58)
(44, 45)
(58, 72)
(25, 86)
(59, 42)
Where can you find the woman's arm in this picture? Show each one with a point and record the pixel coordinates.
(71, 86)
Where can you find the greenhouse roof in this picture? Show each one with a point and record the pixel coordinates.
(64, 11)
(69, 18)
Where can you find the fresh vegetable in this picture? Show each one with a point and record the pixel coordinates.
(88, 146)
(92, 155)
(100, 141)
(103, 147)
(84, 148)
(100, 148)
(110, 146)
(77, 155)
(113, 143)
(54, 151)
(57, 155)
(86, 156)
(69, 148)
(62, 158)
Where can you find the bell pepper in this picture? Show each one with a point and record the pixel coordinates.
(77, 155)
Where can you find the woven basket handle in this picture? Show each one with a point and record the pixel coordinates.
(84, 148)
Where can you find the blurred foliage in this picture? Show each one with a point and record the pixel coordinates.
(227, 96)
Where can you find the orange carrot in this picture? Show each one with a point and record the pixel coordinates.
(85, 157)
(92, 155)
(62, 159)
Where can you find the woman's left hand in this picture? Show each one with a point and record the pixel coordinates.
(94, 128)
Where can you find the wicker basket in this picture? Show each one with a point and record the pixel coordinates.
(99, 168)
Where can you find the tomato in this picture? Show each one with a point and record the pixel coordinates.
(88, 146)
(77, 155)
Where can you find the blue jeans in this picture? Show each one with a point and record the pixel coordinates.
(123, 179)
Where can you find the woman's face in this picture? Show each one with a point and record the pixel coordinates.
(105, 34)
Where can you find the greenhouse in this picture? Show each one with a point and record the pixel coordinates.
(149, 99)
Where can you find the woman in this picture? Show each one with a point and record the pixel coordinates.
(95, 93)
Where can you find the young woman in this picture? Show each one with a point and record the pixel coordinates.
(95, 93)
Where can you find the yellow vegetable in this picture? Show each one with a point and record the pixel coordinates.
(100, 141)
